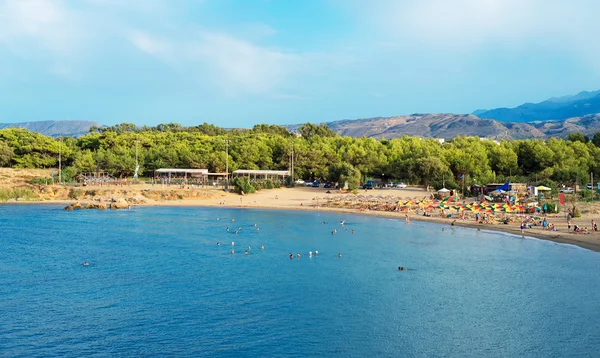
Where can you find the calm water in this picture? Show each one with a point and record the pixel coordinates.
(158, 284)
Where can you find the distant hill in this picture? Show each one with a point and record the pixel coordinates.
(55, 128)
(558, 108)
(448, 126)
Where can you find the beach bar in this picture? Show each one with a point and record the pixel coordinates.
(262, 174)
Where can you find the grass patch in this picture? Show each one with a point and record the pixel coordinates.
(19, 193)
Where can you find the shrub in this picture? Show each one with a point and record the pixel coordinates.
(75, 193)
(268, 184)
(40, 181)
(553, 208)
(242, 184)
(6, 194)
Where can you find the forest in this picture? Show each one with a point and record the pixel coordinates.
(318, 153)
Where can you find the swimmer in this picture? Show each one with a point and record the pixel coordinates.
(298, 255)
(262, 247)
(246, 252)
(353, 231)
(310, 254)
(254, 224)
(218, 243)
(323, 222)
(236, 231)
(232, 243)
(340, 254)
(227, 229)
(401, 268)
(248, 247)
(86, 263)
(291, 256)
(346, 230)
(240, 228)
(452, 223)
(342, 222)
(232, 219)
(316, 252)
(257, 229)
(217, 219)
(232, 252)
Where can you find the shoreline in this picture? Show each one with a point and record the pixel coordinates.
(588, 242)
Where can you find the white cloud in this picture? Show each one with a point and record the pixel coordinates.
(48, 23)
(243, 66)
(156, 47)
(470, 23)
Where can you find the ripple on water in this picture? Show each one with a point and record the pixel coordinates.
(158, 284)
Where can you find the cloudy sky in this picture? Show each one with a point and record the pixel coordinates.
(236, 63)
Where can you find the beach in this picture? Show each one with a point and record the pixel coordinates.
(318, 199)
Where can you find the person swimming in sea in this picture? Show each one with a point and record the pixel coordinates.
(236, 232)
(232, 219)
(218, 243)
(310, 254)
(291, 256)
(232, 252)
(401, 268)
(246, 252)
(86, 263)
(298, 255)
(227, 229)
(254, 224)
(342, 222)
(232, 243)
(353, 231)
(340, 254)
(262, 247)
(248, 247)
(453, 222)
(316, 252)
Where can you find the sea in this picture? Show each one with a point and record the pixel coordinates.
(162, 281)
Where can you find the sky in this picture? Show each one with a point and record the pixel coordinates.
(236, 63)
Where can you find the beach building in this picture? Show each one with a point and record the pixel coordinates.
(189, 176)
(262, 174)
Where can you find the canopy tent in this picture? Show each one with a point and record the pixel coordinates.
(443, 190)
(543, 188)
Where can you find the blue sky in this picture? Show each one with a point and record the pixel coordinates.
(236, 63)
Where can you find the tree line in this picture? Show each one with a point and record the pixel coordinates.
(318, 153)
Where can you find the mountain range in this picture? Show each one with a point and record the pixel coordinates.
(555, 117)
(556, 108)
(55, 128)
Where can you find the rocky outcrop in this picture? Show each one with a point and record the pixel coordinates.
(80, 206)
(119, 203)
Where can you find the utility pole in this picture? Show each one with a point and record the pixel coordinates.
(137, 165)
(60, 161)
(293, 163)
(226, 164)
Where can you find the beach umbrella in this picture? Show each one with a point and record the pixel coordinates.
(543, 188)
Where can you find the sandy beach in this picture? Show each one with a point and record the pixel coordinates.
(311, 199)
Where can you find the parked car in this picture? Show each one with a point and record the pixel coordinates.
(590, 186)
(299, 181)
(401, 185)
(316, 184)
(368, 185)
(567, 191)
(308, 183)
(328, 185)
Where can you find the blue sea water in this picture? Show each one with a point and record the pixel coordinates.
(158, 285)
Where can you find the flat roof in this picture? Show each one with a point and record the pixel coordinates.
(252, 171)
(182, 170)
